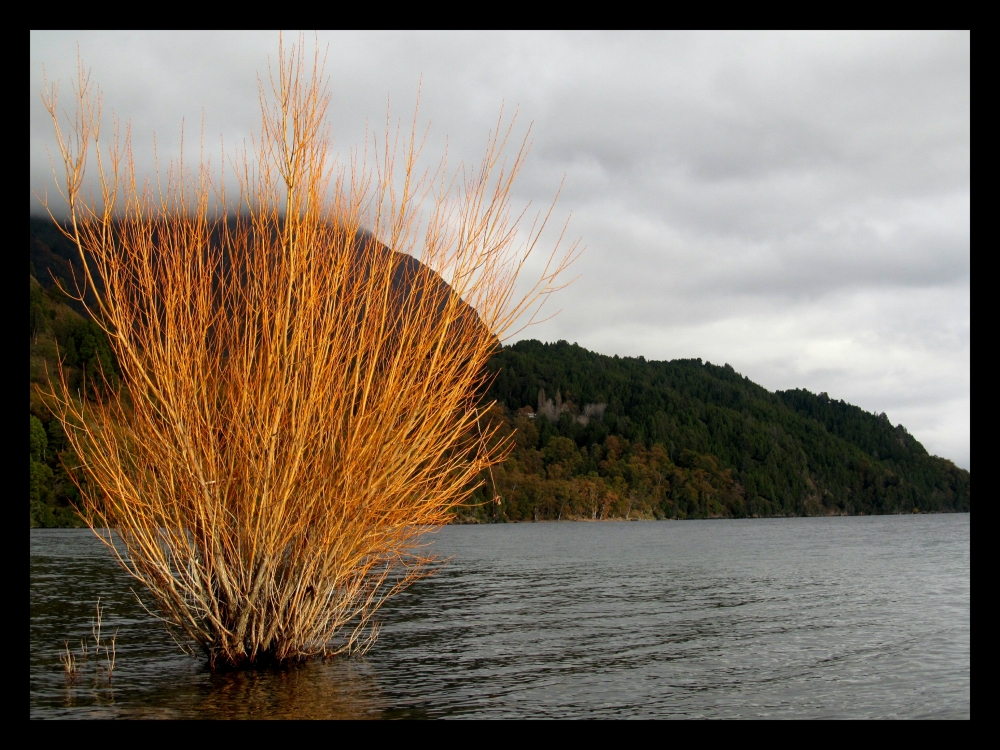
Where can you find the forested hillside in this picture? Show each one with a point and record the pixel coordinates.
(623, 437)
(82, 346)
(596, 436)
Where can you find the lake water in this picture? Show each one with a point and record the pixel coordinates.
(782, 618)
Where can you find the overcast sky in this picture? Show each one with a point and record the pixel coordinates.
(797, 205)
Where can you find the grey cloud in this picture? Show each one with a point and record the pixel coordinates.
(761, 199)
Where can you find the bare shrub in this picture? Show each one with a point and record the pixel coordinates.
(298, 397)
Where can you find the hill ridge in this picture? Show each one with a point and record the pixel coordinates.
(598, 436)
(790, 452)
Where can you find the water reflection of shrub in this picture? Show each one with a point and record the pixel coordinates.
(313, 690)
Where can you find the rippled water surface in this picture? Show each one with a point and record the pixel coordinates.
(823, 618)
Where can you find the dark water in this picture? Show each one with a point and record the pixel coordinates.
(820, 618)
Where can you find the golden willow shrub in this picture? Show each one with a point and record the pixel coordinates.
(298, 402)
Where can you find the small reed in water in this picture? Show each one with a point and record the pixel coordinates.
(68, 659)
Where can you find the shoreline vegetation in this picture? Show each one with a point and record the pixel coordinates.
(595, 437)
(293, 390)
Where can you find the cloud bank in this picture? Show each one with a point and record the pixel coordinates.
(797, 205)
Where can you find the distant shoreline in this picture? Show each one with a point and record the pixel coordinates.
(477, 522)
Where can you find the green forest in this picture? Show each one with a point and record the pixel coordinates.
(612, 437)
(594, 437)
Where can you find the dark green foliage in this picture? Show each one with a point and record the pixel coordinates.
(51, 492)
(728, 447)
(57, 332)
(53, 258)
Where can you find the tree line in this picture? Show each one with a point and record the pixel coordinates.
(689, 439)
